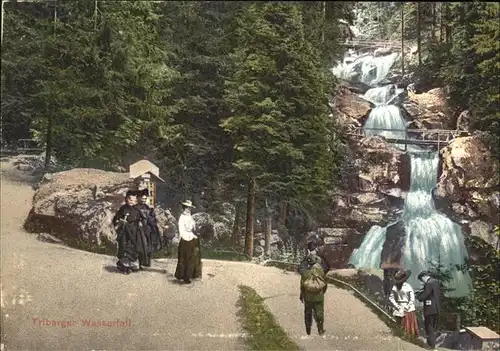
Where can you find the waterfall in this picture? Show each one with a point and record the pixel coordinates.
(369, 252)
(426, 237)
(386, 117)
(430, 237)
(367, 69)
(380, 95)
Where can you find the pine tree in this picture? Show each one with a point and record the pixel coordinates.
(486, 45)
(278, 91)
(100, 81)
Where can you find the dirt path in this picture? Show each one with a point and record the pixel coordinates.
(67, 287)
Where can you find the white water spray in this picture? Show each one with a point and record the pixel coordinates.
(367, 69)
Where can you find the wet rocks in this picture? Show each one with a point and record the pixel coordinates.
(382, 52)
(351, 107)
(392, 250)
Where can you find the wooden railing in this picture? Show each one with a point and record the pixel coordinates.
(423, 137)
(372, 43)
(23, 146)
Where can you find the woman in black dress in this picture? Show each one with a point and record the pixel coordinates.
(127, 223)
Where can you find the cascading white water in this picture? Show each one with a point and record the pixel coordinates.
(386, 117)
(368, 69)
(382, 95)
(430, 237)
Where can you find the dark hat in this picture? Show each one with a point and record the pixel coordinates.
(143, 192)
(312, 245)
(401, 276)
(422, 274)
(131, 193)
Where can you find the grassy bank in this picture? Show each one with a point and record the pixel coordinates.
(262, 330)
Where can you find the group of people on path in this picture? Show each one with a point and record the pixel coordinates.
(401, 296)
(138, 233)
(139, 237)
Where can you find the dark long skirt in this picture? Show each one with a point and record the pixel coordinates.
(132, 246)
(127, 253)
(189, 260)
(143, 246)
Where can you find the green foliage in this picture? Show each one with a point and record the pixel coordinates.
(101, 77)
(193, 148)
(211, 91)
(278, 91)
(262, 330)
(469, 61)
(479, 308)
(223, 255)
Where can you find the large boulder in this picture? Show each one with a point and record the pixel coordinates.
(383, 167)
(429, 110)
(353, 110)
(355, 87)
(78, 205)
(468, 187)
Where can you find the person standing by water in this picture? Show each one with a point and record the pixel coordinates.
(402, 298)
(127, 225)
(429, 295)
(189, 254)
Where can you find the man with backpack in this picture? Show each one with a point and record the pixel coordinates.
(312, 293)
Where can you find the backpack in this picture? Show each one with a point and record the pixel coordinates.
(315, 282)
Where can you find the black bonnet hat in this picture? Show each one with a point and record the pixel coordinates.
(131, 193)
(143, 192)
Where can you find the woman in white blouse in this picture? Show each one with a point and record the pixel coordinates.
(402, 298)
(189, 255)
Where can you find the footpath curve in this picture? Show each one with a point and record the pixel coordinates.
(44, 283)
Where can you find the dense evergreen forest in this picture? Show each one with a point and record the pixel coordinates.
(227, 93)
(230, 93)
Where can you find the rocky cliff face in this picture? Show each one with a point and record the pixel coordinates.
(468, 188)
(378, 177)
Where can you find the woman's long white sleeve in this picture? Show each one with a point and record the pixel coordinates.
(410, 307)
(392, 300)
